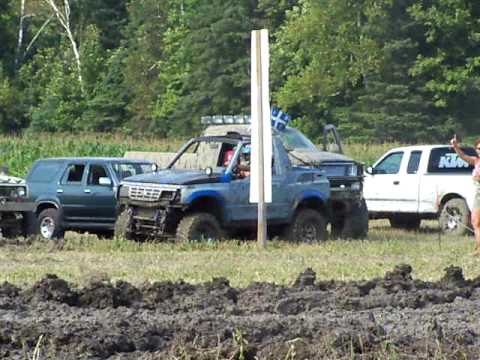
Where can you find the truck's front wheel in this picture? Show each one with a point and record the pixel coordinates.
(455, 217)
(49, 224)
(355, 223)
(123, 226)
(199, 227)
(308, 226)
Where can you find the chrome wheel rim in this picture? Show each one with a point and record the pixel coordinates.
(47, 227)
(309, 233)
(454, 218)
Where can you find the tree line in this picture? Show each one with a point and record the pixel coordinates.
(380, 70)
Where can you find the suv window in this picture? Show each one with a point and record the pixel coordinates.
(74, 173)
(124, 170)
(414, 162)
(95, 173)
(445, 160)
(390, 165)
(44, 172)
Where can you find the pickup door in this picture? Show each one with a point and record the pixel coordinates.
(393, 185)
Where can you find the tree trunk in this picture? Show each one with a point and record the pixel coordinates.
(64, 19)
(20, 34)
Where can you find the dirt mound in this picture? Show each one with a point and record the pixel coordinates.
(393, 316)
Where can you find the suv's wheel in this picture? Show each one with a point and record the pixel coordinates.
(405, 221)
(455, 217)
(49, 224)
(308, 226)
(123, 226)
(355, 225)
(199, 227)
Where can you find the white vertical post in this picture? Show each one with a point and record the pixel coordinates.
(261, 166)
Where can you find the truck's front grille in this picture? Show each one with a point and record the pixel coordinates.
(144, 193)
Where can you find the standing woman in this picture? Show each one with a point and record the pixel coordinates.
(475, 161)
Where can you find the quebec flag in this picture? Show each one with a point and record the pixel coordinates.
(280, 119)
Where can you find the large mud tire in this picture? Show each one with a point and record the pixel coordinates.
(355, 225)
(123, 226)
(199, 227)
(405, 222)
(455, 217)
(308, 226)
(49, 225)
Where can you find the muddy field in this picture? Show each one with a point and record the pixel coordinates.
(391, 317)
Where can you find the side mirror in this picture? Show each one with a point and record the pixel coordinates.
(369, 170)
(105, 181)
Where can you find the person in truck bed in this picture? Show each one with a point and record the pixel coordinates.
(474, 161)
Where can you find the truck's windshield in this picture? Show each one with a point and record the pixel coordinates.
(294, 139)
(202, 154)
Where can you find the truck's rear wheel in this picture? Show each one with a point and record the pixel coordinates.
(49, 225)
(455, 217)
(355, 223)
(123, 226)
(308, 226)
(199, 227)
(405, 221)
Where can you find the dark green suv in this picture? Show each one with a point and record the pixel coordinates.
(78, 193)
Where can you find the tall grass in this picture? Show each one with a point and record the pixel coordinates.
(19, 152)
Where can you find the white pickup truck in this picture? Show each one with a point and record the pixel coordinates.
(412, 183)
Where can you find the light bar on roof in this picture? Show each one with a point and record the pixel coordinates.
(225, 119)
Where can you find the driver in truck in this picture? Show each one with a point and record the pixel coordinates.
(474, 161)
(243, 168)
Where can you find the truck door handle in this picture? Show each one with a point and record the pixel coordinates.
(396, 182)
(87, 191)
(59, 191)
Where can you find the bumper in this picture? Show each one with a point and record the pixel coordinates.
(17, 207)
(153, 222)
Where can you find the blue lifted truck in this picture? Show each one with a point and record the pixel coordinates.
(77, 193)
(204, 194)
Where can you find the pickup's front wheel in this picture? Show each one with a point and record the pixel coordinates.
(199, 227)
(455, 217)
(308, 226)
(49, 224)
(123, 226)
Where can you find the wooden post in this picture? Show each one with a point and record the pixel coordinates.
(261, 170)
(262, 210)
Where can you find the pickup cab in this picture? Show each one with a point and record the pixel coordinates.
(77, 193)
(412, 183)
(204, 194)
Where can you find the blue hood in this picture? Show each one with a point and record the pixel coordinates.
(176, 177)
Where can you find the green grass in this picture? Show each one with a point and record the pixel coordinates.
(84, 257)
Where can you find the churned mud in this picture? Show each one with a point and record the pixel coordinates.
(391, 317)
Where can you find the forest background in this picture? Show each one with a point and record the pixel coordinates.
(380, 70)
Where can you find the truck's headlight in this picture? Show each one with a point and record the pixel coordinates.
(123, 192)
(19, 192)
(356, 186)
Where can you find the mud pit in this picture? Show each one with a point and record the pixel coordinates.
(311, 319)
